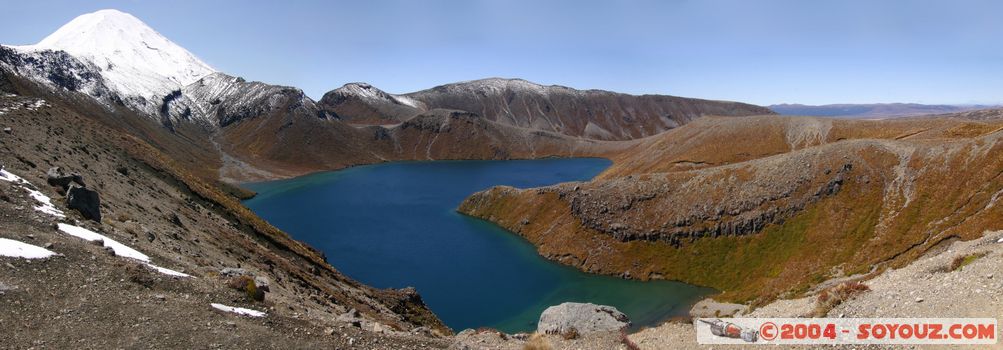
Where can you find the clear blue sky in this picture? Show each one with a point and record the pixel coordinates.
(762, 52)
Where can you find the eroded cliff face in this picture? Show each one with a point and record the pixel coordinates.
(728, 201)
(763, 227)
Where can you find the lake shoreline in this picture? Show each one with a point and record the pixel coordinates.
(428, 234)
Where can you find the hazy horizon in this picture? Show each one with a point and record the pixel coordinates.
(766, 53)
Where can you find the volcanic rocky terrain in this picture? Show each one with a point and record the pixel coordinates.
(715, 193)
(763, 207)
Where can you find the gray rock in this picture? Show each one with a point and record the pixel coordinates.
(708, 308)
(422, 331)
(233, 271)
(352, 317)
(56, 177)
(85, 201)
(583, 318)
(262, 283)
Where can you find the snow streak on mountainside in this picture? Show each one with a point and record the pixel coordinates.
(593, 114)
(361, 103)
(219, 100)
(135, 61)
(589, 113)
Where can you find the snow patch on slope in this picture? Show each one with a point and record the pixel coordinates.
(119, 248)
(16, 249)
(168, 272)
(45, 203)
(238, 310)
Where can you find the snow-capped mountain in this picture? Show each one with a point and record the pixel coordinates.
(115, 58)
(118, 60)
(135, 61)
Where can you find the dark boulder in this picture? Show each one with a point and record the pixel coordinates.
(84, 200)
(56, 177)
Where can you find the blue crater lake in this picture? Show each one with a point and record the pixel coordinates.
(395, 225)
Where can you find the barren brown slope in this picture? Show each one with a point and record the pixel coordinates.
(776, 205)
(447, 134)
(188, 143)
(714, 141)
(154, 204)
(289, 144)
(592, 114)
(595, 114)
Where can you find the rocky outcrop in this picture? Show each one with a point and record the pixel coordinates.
(218, 100)
(56, 177)
(55, 69)
(85, 201)
(361, 103)
(581, 318)
(717, 202)
(78, 196)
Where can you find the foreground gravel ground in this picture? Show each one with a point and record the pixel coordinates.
(922, 289)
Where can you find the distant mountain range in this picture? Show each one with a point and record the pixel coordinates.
(134, 78)
(873, 110)
(591, 114)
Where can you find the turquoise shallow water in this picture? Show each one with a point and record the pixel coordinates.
(396, 225)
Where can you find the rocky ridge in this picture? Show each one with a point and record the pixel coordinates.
(592, 114)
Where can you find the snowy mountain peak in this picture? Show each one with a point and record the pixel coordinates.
(134, 59)
(371, 93)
